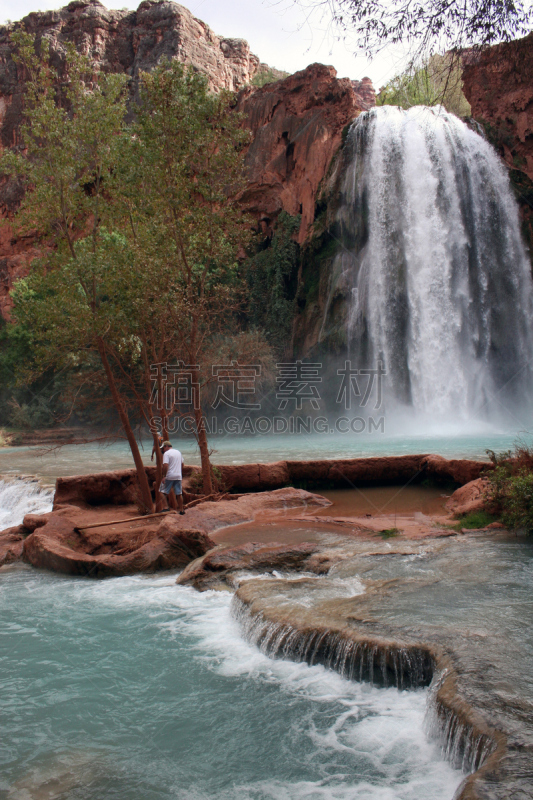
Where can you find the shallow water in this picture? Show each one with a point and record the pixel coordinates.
(384, 500)
(137, 688)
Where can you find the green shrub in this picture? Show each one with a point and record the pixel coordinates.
(437, 81)
(511, 486)
(388, 533)
(266, 75)
(476, 519)
(512, 495)
(272, 277)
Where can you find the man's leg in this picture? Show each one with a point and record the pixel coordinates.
(172, 501)
(164, 500)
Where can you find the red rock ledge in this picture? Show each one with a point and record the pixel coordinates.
(119, 487)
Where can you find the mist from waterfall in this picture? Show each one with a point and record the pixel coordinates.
(432, 262)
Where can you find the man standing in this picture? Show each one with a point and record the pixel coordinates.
(172, 475)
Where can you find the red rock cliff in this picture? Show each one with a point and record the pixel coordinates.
(498, 84)
(117, 41)
(297, 125)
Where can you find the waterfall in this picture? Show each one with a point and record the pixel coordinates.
(380, 663)
(372, 661)
(21, 496)
(431, 264)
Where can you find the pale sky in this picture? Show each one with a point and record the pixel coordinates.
(281, 33)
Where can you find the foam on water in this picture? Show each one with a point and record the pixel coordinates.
(137, 688)
(21, 497)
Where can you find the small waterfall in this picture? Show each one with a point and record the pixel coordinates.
(463, 744)
(431, 264)
(378, 663)
(21, 496)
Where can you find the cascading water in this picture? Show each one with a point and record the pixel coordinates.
(437, 278)
(21, 496)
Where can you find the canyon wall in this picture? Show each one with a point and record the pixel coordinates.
(297, 127)
(498, 84)
(117, 41)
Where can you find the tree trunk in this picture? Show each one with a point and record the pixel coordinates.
(158, 474)
(144, 486)
(204, 451)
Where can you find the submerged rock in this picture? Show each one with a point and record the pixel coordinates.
(215, 570)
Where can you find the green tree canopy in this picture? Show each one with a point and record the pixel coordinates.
(140, 236)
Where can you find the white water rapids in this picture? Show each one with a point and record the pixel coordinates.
(21, 496)
(437, 277)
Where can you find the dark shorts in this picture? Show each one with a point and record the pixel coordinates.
(167, 486)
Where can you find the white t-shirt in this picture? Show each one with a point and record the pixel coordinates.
(174, 459)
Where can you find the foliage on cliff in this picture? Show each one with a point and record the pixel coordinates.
(272, 276)
(511, 487)
(266, 74)
(438, 81)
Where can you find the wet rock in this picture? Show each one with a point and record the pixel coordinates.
(119, 487)
(11, 544)
(33, 521)
(255, 477)
(458, 470)
(63, 540)
(215, 569)
(100, 488)
(469, 498)
(213, 516)
(61, 547)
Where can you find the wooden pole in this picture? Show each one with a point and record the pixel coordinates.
(122, 521)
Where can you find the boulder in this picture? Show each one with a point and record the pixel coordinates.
(215, 569)
(11, 544)
(61, 547)
(468, 498)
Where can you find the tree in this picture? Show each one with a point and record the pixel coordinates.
(429, 26)
(72, 125)
(437, 81)
(144, 239)
(179, 171)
